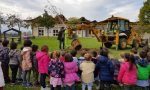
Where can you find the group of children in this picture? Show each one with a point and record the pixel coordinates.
(65, 69)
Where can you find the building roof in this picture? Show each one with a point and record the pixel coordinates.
(112, 19)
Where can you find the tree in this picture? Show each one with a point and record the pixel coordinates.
(14, 20)
(46, 21)
(84, 20)
(73, 20)
(144, 17)
(2, 21)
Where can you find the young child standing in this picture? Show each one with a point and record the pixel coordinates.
(135, 54)
(15, 59)
(62, 56)
(128, 73)
(96, 77)
(4, 58)
(74, 53)
(26, 62)
(56, 71)
(87, 67)
(81, 58)
(34, 64)
(105, 68)
(2, 84)
(71, 69)
(143, 68)
(43, 60)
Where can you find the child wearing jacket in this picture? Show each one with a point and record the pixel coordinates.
(105, 68)
(81, 58)
(34, 64)
(15, 59)
(87, 67)
(26, 62)
(128, 74)
(143, 68)
(96, 77)
(74, 53)
(4, 58)
(2, 83)
(71, 69)
(43, 60)
(56, 71)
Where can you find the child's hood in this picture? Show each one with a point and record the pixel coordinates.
(143, 63)
(12, 52)
(26, 49)
(103, 59)
(40, 54)
(70, 65)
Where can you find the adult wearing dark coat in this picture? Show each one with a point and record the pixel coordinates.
(61, 38)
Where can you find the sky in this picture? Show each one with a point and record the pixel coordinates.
(91, 9)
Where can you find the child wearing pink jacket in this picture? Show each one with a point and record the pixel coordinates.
(43, 61)
(128, 73)
(71, 69)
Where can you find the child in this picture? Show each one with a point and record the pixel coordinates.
(71, 69)
(116, 64)
(81, 58)
(26, 62)
(15, 58)
(74, 53)
(62, 56)
(94, 60)
(134, 52)
(2, 84)
(126, 57)
(43, 60)
(20, 70)
(56, 71)
(105, 68)
(122, 55)
(143, 68)
(128, 73)
(34, 64)
(87, 67)
(4, 58)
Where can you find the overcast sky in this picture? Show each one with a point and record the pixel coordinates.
(91, 9)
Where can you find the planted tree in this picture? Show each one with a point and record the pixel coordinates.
(144, 17)
(47, 21)
(14, 20)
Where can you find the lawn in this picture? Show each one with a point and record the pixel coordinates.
(53, 44)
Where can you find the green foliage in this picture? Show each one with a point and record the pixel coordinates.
(144, 15)
(73, 20)
(84, 20)
(46, 20)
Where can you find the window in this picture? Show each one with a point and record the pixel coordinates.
(55, 32)
(40, 31)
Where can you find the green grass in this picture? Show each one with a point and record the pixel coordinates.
(53, 44)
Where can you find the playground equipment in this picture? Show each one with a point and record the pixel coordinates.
(13, 36)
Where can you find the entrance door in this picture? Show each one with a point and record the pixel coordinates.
(41, 31)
